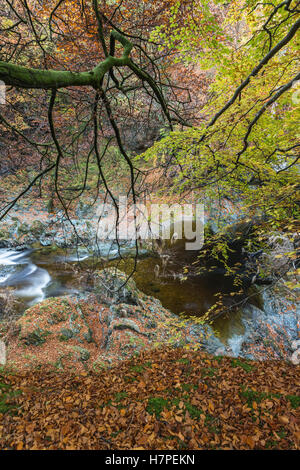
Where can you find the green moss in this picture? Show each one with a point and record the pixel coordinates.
(23, 229)
(129, 379)
(138, 369)
(209, 372)
(271, 444)
(56, 317)
(195, 413)
(156, 405)
(36, 337)
(4, 234)
(120, 396)
(148, 364)
(66, 334)
(114, 434)
(183, 360)
(188, 387)
(37, 228)
(219, 359)
(7, 396)
(253, 396)
(244, 365)
(89, 336)
(294, 400)
(84, 354)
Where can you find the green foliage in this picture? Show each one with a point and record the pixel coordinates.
(200, 36)
(248, 154)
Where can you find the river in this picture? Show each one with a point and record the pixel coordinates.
(34, 275)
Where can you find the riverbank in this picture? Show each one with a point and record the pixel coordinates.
(162, 399)
(99, 329)
(264, 327)
(115, 321)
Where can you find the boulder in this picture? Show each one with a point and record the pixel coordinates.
(110, 286)
(37, 228)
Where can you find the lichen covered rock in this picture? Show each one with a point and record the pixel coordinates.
(113, 286)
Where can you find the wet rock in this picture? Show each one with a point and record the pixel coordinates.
(109, 287)
(220, 214)
(101, 314)
(204, 336)
(295, 357)
(295, 345)
(220, 351)
(123, 313)
(46, 241)
(120, 311)
(37, 228)
(270, 330)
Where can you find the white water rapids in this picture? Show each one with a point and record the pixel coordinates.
(18, 271)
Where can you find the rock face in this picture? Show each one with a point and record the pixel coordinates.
(142, 135)
(55, 232)
(45, 230)
(270, 330)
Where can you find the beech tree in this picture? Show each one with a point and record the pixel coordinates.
(242, 145)
(26, 27)
(246, 149)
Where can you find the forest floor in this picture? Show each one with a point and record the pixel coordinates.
(160, 399)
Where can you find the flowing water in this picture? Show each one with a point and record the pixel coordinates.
(37, 274)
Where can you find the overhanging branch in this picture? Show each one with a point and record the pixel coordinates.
(25, 77)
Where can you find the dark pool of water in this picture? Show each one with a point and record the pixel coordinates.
(43, 273)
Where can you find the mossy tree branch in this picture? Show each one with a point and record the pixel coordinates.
(25, 77)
